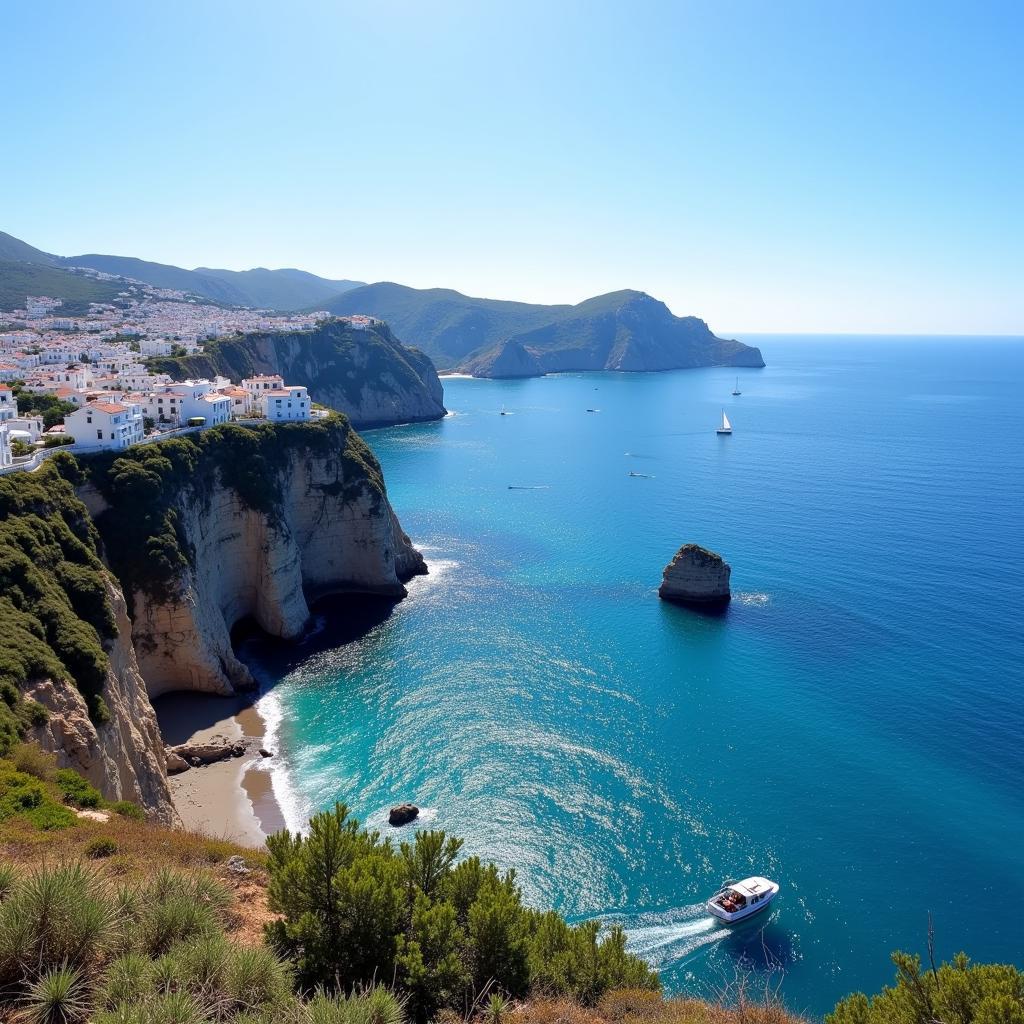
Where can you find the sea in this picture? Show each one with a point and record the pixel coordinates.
(852, 727)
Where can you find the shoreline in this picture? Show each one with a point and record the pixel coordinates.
(232, 799)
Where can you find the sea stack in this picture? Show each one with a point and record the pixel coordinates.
(696, 577)
(403, 814)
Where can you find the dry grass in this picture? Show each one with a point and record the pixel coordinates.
(142, 850)
(640, 1007)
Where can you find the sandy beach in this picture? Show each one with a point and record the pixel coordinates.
(230, 799)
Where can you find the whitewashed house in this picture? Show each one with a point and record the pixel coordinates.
(6, 458)
(8, 406)
(105, 425)
(260, 384)
(290, 402)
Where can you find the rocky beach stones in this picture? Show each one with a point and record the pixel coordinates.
(696, 577)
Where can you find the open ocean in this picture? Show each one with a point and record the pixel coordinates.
(852, 727)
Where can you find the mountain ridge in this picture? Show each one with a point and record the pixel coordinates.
(625, 330)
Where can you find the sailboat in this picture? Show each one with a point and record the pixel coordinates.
(726, 427)
(736, 390)
(503, 412)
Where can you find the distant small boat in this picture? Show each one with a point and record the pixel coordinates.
(642, 476)
(593, 410)
(736, 390)
(503, 413)
(726, 427)
(736, 901)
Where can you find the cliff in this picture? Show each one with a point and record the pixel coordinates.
(625, 330)
(250, 523)
(198, 532)
(69, 677)
(368, 375)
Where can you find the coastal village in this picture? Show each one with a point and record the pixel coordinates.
(94, 366)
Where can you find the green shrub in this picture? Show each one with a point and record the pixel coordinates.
(960, 991)
(353, 909)
(59, 996)
(31, 759)
(128, 809)
(76, 791)
(100, 847)
(29, 797)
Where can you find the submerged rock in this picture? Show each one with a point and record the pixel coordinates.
(403, 814)
(696, 577)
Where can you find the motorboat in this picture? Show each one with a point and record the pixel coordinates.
(736, 901)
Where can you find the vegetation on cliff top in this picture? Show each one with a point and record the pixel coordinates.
(333, 360)
(147, 487)
(54, 613)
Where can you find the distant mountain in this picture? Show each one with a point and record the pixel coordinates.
(162, 275)
(18, 280)
(625, 330)
(12, 248)
(283, 290)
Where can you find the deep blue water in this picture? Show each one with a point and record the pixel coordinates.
(852, 727)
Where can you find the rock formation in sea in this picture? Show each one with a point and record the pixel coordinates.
(367, 374)
(403, 814)
(696, 577)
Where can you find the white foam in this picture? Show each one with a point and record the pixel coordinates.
(293, 808)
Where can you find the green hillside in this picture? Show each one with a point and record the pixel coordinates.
(446, 324)
(161, 275)
(17, 280)
(624, 330)
(287, 289)
(12, 248)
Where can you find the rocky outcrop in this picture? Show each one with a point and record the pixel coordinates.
(403, 814)
(330, 528)
(696, 577)
(367, 374)
(506, 361)
(123, 757)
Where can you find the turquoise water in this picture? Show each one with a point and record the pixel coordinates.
(852, 727)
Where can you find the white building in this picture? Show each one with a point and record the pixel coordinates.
(104, 425)
(6, 458)
(8, 406)
(261, 383)
(290, 402)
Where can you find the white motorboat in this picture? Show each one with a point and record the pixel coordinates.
(726, 427)
(736, 901)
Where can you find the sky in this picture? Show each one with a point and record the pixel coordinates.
(768, 166)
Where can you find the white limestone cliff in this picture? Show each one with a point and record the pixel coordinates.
(124, 756)
(328, 534)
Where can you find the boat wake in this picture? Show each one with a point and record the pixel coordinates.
(664, 938)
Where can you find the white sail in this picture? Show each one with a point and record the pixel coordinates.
(726, 425)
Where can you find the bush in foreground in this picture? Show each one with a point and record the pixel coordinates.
(355, 909)
(957, 993)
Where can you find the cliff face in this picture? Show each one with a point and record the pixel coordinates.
(199, 532)
(122, 757)
(368, 375)
(315, 519)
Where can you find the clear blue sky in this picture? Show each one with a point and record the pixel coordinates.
(818, 166)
